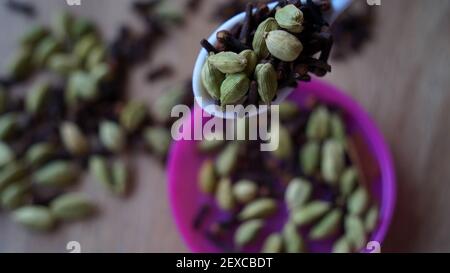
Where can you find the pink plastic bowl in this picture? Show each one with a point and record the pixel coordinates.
(185, 161)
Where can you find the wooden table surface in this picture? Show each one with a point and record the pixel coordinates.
(401, 78)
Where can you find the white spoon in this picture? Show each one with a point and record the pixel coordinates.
(202, 97)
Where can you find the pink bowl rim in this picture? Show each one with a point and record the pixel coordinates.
(372, 135)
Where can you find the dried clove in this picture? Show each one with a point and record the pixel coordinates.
(160, 72)
(231, 43)
(25, 8)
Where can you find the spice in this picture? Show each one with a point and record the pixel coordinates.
(212, 79)
(273, 244)
(286, 42)
(224, 195)
(310, 212)
(81, 112)
(228, 62)
(245, 191)
(234, 88)
(319, 185)
(21, 7)
(34, 217)
(71, 206)
(260, 208)
(247, 232)
(207, 177)
(266, 77)
(297, 193)
(159, 73)
(56, 174)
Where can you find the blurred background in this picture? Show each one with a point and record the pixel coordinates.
(393, 59)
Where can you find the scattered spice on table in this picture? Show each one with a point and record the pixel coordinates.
(80, 118)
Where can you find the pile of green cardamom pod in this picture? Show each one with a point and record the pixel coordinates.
(74, 117)
(227, 75)
(310, 177)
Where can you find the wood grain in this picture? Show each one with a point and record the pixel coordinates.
(401, 78)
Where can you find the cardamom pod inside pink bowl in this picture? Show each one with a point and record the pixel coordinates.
(184, 163)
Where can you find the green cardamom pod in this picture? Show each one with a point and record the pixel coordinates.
(285, 145)
(247, 232)
(310, 212)
(10, 173)
(333, 161)
(33, 36)
(292, 239)
(56, 174)
(297, 193)
(371, 219)
(162, 108)
(260, 208)
(245, 191)
(71, 206)
(310, 157)
(318, 125)
(71, 96)
(358, 201)
(273, 244)
(112, 136)
(100, 72)
(341, 246)
(290, 18)
(96, 56)
(158, 140)
(44, 50)
(283, 45)
(83, 86)
(6, 154)
(328, 226)
(62, 24)
(355, 232)
(259, 42)
(37, 97)
(8, 124)
(62, 63)
(212, 79)
(81, 27)
(207, 177)
(84, 46)
(288, 110)
(169, 15)
(39, 153)
(73, 139)
(252, 61)
(120, 177)
(267, 80)
(337, 127)
(34, 217)
(224, 195)
(211, 142)
(20, 66)
(348, 181)
(99, 169)
(133, 115)
(227, 159)
(234, 88)
(228, 62)
(15, 195)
